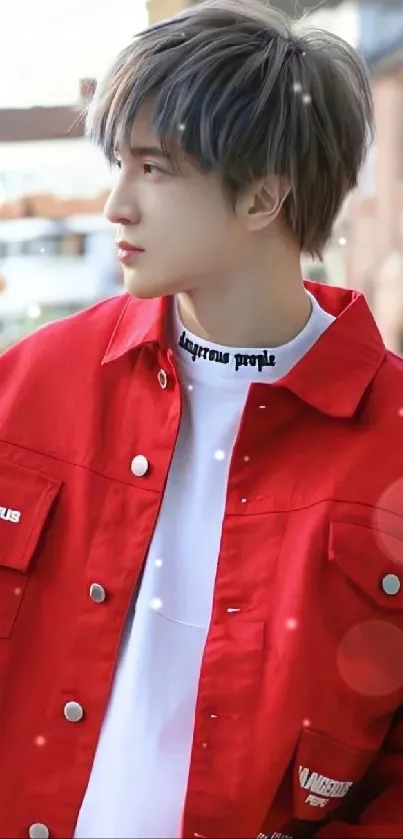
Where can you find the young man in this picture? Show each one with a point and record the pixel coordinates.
(201, 527)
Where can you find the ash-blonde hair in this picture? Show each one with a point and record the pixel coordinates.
(243, 91)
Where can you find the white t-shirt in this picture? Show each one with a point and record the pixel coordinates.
(139, 777)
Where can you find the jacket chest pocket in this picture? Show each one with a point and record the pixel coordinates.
(368, 594)
(26, 498)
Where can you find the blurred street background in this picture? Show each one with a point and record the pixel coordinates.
(57, 252)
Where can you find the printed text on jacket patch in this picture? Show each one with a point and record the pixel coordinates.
(320, 785)
(10, 515)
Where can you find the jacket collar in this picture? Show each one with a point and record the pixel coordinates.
(141, 322)
(332, 376)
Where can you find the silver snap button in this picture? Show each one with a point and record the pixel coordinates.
(97, 593)
(391, 584)
(73, 711)
(139, 466)
(163, 379)
(38, 831)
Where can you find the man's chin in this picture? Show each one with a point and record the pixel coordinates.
(148, 288)
(144, 289)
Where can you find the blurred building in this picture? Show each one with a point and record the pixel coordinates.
(375, 252)
(57, 252)
(56, 249)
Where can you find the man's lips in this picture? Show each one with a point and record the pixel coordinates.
(126, 246)
(128, 253)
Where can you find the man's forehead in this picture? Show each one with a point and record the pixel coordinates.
(142, 131)
(144, 140)
(141, 140)
(139, 134)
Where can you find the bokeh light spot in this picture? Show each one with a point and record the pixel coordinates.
(370, 658)
(387, 521)
(291, 623)
(156, 603)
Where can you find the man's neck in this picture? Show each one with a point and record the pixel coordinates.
(247, 315)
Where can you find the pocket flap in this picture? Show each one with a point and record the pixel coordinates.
(358, 551)
(25, 501)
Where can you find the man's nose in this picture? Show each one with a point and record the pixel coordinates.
(121, 207)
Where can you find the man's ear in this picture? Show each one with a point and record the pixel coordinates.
(261, 203)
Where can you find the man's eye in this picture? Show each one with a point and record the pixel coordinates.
(150, 169)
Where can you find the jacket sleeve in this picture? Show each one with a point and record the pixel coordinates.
(381, 817)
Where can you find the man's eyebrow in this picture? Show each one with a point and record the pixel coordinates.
(143, 151)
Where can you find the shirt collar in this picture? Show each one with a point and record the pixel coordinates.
(332, 376)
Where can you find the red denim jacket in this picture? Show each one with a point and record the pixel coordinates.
(298, 728)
